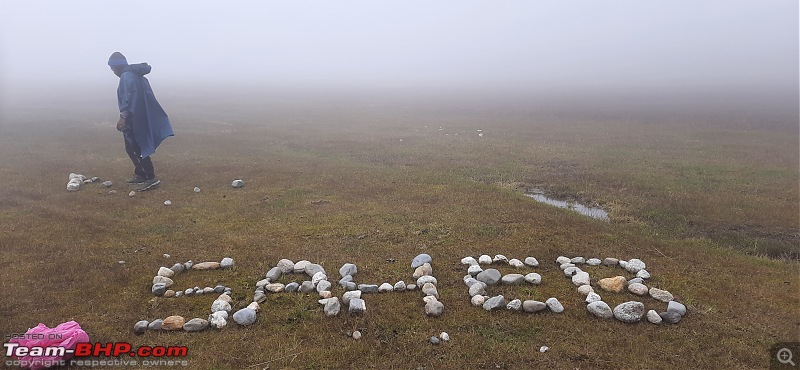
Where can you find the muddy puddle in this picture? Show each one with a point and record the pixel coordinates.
(593, 212)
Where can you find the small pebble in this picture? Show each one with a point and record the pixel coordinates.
(434, 340)
(356, 335)
(444, 336)
(196, 189)
(169, 203)
(544, 349)
(132, 193)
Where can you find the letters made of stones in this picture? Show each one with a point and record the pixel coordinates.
(477, 280)
(318, 283)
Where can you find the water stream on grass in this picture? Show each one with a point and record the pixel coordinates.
(593, 212)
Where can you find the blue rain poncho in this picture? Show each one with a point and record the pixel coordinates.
(147, 124)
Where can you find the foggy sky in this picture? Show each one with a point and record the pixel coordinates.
(405, 44)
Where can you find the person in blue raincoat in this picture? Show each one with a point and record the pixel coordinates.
(142, 121)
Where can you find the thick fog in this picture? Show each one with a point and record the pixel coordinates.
(405, 45)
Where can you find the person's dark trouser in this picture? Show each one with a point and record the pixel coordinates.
(142, 166)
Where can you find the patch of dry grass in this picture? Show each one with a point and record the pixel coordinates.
(691, 201)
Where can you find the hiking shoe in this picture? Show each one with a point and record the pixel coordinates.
(136, 180)
(149, 184)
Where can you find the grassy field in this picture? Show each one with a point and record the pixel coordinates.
(705, 194)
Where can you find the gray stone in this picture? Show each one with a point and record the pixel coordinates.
(562, 260)
(323, 285)
(349, 286)
(196, 324)
(653, 317)
(484, 259)
(478, 300)
(306, 287)
(291, 287)
(580, 278)
(533, 306)
(178, 268)
(474, 270)
(638, 289)
(332, 307)
(533, 278)
(469, 261)
(643, 274)
(578, 260)
(259, 297)
(399, 286)
(345, 279)
(515, 263)
(262, 282)
(313, 268)
(513, 279)
(532, 262)
(477, 289)
(348, 269)
(140, 327)
(286, 266)
(670, 317)
(208, 290)
(571, 271)
(155, 325)
(634, 265)
(677, 307)
(430, 289)
(434, 340)
(629, 312)
(421, 259)
(661, 295)
(600, 309)
(218, 319)
(494, 303)
(219, 289)
(515, 304)
(610, 261)
(159, 289)
(245, 316)
(385, 288)
(425, 280)
(489, 276)
(274, 274)
(593, 262)
(357, 306)
(470, 282)
(585, 289)
(411, 287)
(567, 265)
(368, 288)
(274, 288)
(554, 305)
(188, 291)
(226, 263)
(347, 296)
(434, 308)
(300, 266)
(107, 184)
(636, 280)
(188, 264)
(236, 184)
(592, 297)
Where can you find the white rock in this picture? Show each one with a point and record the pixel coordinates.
(532, 262)
(600, 309)
(237, 183)
(474, 270)
(349, 295)
(585, 289)
(544, 349)
(499, 258)
(318, 276)
(468, 261)
(592, 297)
(533, 278)
(593, 262)
(220, 306)
(226, 263)
(356, 335)
(163, 271)
(132, 193)
(484, 259)
(218, 319)
(478, 300)
(634, 265)
(196, 189)
(426, 279)
(254, 306)
(580, 278)
(444, 336)
(562, 260)
(385, 288)
(163, 280)
(515, 305)
(578, 260)
(300, 266)
(399, 286)
(554, 305)
(167, 202)
(515, 263)
(643, 274)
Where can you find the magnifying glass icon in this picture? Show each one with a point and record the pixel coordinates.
(784, 356)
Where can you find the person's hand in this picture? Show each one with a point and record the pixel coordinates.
(120, 123)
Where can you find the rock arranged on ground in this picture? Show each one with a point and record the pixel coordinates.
(236, 184)
(629, 312)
